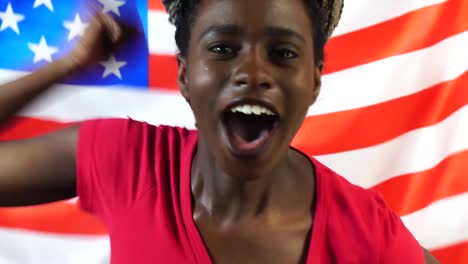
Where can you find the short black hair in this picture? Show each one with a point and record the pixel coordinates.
(322, 14)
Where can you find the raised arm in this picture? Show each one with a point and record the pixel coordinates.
(42, 169)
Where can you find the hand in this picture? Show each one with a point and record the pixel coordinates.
(102, 36)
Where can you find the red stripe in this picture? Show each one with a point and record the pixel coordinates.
(411, 192)
(25, 127)
(156, 5)
(410, 32)
(456, 254)
(60, 217)
(419, 29)
(368, 126)
(163, 72)
(336, 132)
(445, 21)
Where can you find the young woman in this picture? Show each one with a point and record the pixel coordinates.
(232, 192)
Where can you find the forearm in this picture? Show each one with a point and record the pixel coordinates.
(18, 93)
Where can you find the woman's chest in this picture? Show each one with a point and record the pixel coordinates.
(151, 231)
(257, 243)
(151, 234)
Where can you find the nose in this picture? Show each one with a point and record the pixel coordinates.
(253, 71)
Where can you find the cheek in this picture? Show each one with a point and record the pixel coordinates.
(199, 76)
(300, 93)
(203, 85)
(309, 89)
(198, 80)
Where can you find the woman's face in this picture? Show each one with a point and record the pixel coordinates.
(250, 78)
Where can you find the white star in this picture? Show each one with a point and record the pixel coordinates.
(112, 66)
(10, 19)
(47, 3)
(112, 5)
(76, 28)
(42, 51)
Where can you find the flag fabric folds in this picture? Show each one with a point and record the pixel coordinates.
(392, 114)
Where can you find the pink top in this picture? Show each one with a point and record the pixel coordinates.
(136, 177)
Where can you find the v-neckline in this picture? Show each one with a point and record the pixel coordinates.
(200, 251)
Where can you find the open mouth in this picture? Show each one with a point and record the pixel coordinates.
(249, 127)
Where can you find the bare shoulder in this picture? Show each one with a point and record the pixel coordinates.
(40, 169)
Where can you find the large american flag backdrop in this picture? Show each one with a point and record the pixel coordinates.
(392, 114)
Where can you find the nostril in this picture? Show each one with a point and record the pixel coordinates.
(265, 85)
(241, 83)
(262, 81)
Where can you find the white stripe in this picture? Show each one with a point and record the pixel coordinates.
(414, 151)
(26, 247)
(441, 224)
(160, 34)
(68, 103)
(393, 77)
(357, 87)
(359, 14)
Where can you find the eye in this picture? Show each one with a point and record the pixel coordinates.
(222, 49)
(284, 54)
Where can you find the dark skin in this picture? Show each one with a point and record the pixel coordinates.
(248, 210)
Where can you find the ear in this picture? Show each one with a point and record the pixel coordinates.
(182, 77)
(317, 82)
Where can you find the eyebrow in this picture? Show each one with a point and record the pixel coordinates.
(226, 29)
(284, 32)
(233, 29)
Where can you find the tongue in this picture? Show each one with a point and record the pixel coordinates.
(248, 127)
(249, 132)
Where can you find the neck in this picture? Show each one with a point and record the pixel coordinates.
(228, 199)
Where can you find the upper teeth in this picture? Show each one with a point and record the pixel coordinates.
(252, 109)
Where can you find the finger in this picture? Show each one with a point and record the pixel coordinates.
(112, 27)
(95, 27)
